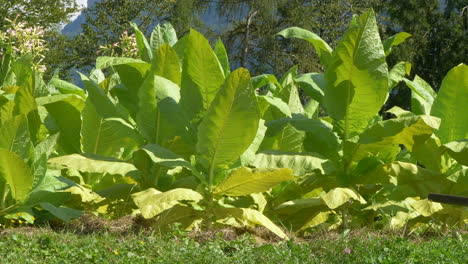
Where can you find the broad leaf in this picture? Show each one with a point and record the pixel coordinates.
(323, 49)
(277, 103)
(313, 84)
(165, 157)
(105, 62)
(403, 130)
(249, 217)
(166, 64)
(426, 207)
(458, 150)
(110, 137)
(398, 73)
(222, 56)
(144, 48)
(94, 164)
(153, 91)
(301, 163)
(249, 155)
(66, 111)
(357, 80)
(230, 124)
(163, 34)
(202, 75)
(16, 174)
(244, 181)
(394, 40)
(62, 213)
(15, 136)
(152, 202)
(448, 105)
(339, 196)
(412, 180)
(422, 96)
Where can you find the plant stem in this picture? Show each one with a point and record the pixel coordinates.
(5, 194)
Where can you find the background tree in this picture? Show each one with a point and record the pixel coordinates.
(440, 34)
(45, 13)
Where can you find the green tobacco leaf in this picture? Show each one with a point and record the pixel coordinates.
(319, 138)
(357, 80)
(66, 87)
(322, 48)
(286, 137)
(301, 163)
(149, 117)
(313, 84)
(428, 154)
(94, 164)
(45, 147)
(317, 219)
(422, 96)
(62, 213)
(403, 130)
(7, 108)
(426, 207)
(16, 174)
(165, 157)
(458, 150)
(222, 56)
(264, 79)
(25, 103)
(244, 181)
(397, 74)
(105, 62)
(294, 206)
(230, 124)
(84, 195)
(144, 48)
(290, 94)
(66, 111)
(394, 40)
(15, 136)
(399, 112)
(166, 64)
(365, 171)
(185, 216)
(131, 75)
(152, 202)
(448, 105)
(110, 137)
(412, 180)
(103, 104)
(249, 155)
(277, 103)
(202, 75)
(460, 182)
(339, 196)
(161, 35)
(249, 217)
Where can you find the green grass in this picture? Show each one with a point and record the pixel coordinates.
(52, 247)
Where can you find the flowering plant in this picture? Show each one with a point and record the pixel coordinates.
(24, 39)
(125, 47)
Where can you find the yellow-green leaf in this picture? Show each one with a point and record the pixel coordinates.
(244, 181)
(339, 196)
(152, 202)
(16, 174)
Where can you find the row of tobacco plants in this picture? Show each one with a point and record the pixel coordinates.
(175, 136)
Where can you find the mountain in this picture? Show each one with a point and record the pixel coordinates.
(74, 27)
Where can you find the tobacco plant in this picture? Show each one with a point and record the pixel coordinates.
(348, 160)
